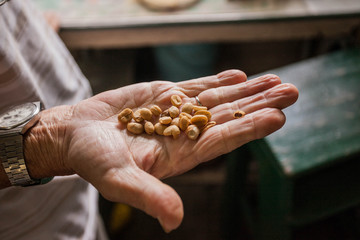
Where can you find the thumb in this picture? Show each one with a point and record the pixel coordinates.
(147, 193)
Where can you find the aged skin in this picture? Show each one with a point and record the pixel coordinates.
(73, 139)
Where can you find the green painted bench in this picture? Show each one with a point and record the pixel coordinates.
(310, 169)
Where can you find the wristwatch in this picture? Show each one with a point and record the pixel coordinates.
(14, 123)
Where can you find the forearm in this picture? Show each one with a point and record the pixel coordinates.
(45, 146)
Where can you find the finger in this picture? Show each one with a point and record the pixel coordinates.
(131, 96)
(215, 96)
(194, 87)
(226, 137)
(145, 192)
(279, 96)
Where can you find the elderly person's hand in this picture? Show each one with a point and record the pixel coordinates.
(88, 140)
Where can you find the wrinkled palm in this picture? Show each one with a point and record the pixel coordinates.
(127, 168)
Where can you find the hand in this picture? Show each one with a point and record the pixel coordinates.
(126, 168)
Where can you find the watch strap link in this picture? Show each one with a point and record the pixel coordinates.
(12, 159)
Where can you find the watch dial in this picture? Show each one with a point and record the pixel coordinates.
(17, 115)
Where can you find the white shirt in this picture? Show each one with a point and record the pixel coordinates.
(35, 65)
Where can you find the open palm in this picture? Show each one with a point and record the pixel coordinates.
(127, 168)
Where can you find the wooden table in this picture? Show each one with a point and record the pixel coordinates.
(309, 170)
(125, 23)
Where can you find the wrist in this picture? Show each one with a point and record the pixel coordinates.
(46, 144)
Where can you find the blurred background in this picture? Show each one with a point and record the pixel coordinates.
(120, 42)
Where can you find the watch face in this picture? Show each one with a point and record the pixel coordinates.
(17, 115)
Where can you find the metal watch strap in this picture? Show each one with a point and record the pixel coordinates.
(12, 159)
(11, 150)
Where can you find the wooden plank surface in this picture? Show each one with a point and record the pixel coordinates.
(323, 127)
(125, 23)
(85, 14)
(260, 31)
